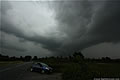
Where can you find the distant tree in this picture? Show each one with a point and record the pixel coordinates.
(70, 57)
(35, 58)
(57, 57)
(13, 58)
(52, 57)
(78, 54)
(21, 58)
(27, 58)
(78, 57)
(106, 59)
(4, 58)
(61, 57)
(0, 55)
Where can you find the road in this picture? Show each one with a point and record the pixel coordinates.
(22, 72)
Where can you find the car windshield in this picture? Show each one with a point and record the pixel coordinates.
(43, 64)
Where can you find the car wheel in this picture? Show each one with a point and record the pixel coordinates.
(42, 71)
(31, 70)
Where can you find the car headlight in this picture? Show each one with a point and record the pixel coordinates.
(47, 68)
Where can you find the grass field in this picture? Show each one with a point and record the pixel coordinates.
(105, 69)
(7, 63)
(86, 71)
(79, 71)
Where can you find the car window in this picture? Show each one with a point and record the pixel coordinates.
(43, 64)
(36, 65)
(39, 64)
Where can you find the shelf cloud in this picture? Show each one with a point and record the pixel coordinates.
(62, 27)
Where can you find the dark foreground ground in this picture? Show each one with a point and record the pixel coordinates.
(22, 72)
(69, 70)
(38, 76)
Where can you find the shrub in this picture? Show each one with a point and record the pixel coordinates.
(76, 71)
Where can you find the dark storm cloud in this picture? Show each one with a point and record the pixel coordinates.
(10, 28)
(46, 42)
(73, 16)
(4, 6)
(84, 22)
(11, 47)
(101, 50)
(106, 22)
(105, 25)
(5, 43)
(87, 24)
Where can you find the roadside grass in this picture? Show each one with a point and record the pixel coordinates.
(105, 69)
(86, 71)
(7, 63)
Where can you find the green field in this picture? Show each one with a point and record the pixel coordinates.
(7, 63)
(86, 71)
(78, 70)
(105, 69)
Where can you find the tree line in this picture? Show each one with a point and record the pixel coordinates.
(14, 58)
(75, 57)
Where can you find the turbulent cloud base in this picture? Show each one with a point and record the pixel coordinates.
(60, 27)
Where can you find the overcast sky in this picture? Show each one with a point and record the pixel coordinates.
(53, 28)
